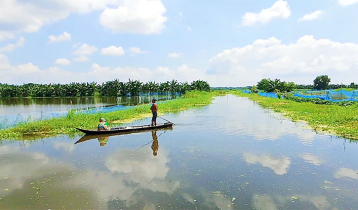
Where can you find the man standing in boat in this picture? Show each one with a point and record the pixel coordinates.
(154, 109)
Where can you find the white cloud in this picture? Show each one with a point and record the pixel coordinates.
(6, 35)
(278, 165)
(174, 55)
(312, 16)
(188, 28)
(85, 49)
(136, 50)
(81, 58)
(20, 17)
(4, 65)
(62, 61)
(279, 9)
(112, 51)
(347, 2)
(299, 62)
(30, 73)
(139, 17)
(11, 47)
(61, 38)
(180, 16)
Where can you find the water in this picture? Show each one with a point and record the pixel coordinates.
(16, 110)
(229, 155)
(14, 106)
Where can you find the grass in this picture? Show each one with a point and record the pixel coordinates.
(66, 125)
(339, 120)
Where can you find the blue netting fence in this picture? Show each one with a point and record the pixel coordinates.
(271, 95)
(330, 95)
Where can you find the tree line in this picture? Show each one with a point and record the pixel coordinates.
(109, 88)
(319, 83)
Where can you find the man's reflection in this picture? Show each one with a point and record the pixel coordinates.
(155, 144)
(103, 140)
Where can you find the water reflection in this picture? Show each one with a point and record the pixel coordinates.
(346, 173)
(34, 175)
(103, 140)
(155, 144)
(278, 165)
(310, 158)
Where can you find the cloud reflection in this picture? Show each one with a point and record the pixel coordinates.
(217, 200)
(267, 202)
(263, 202)
(346, 173)
(128, 172)
(67, 146)
(278, 165)
(18, 166)
(125, 173)
(310, 158)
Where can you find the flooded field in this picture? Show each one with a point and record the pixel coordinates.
(231, 154)
(16, 110)
(13, 106)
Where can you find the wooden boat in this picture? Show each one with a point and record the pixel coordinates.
(98, 136)
(126, 129)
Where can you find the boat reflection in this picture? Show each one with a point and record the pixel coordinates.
(103, 138)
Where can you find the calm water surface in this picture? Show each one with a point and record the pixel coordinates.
(14, 106)
(229, 155)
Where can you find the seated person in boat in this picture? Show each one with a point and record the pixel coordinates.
(154, 109)
(103, 125)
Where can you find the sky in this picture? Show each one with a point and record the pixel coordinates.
(227, 43)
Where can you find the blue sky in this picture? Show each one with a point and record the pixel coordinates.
(227, 43)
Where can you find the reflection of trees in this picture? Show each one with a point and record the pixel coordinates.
(278, 165)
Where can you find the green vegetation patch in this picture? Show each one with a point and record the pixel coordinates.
(33, 130)
(339, 120)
